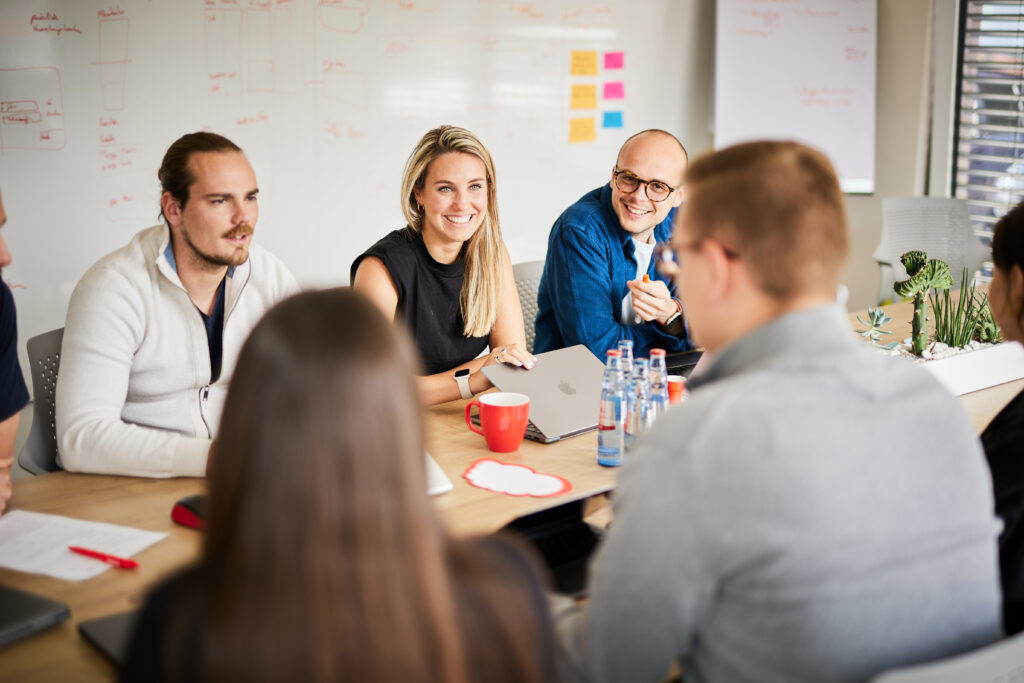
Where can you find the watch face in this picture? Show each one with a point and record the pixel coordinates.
(464, 372)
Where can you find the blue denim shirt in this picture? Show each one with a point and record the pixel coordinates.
(589, 261)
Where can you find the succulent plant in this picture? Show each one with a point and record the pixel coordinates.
(876, 318)
(987, 330)
(958, 321)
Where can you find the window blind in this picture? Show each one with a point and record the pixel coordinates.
(989, 149)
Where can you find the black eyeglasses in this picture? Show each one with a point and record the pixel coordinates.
(664, 256)
(655, 190)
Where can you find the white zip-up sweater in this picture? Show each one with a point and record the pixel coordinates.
(133, 392)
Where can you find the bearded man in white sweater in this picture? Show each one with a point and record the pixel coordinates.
(154, 329)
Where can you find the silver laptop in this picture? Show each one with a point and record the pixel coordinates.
(564, 389)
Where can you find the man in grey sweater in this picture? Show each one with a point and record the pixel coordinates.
(815, 511)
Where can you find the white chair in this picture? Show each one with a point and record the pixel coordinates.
(39, 454)
(939, 226)
(527, 276)
(1001, 662)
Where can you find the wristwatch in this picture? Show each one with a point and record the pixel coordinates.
(462, 379)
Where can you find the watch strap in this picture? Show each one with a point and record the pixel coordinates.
(463, 382)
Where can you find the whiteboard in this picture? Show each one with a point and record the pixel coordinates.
(801, 70)
(327, 98)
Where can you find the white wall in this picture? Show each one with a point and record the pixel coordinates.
(901, 120)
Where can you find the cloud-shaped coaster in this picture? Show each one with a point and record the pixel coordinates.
(514, 480)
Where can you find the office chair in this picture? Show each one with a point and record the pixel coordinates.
(1001, 661)
(527, 276)
(39, 454)
(936, 225)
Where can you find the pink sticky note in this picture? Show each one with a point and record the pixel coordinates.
(614, 90)
(613, 60)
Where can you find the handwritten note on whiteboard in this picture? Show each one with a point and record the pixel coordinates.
(803, 71)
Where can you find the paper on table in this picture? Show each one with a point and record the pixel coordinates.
(38, 543)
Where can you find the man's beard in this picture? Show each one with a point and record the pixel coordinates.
(237, 258)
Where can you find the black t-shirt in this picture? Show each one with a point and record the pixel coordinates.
(214, 324)
(428, 299)
(13, 392)
(1003, 441)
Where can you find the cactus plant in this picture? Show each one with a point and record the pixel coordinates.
(923, 274)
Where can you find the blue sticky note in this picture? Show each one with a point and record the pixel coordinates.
(612, 119)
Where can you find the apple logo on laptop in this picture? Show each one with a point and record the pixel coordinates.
(566, 388)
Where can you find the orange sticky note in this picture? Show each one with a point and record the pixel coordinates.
(583, 63)
(583, 129)
(583, 97)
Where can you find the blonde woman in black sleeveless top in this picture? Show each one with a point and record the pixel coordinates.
(447, 275)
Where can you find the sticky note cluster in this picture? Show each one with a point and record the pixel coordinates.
(584, 96)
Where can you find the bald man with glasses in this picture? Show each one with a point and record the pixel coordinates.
(593, 290)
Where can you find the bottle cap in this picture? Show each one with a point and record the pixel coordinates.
(657, 352)
(615, 353)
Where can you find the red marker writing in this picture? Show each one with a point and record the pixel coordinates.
(119, 562)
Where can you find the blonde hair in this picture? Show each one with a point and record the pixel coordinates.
(790, 227)
(481, 282)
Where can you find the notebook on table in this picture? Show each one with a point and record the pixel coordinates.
(22, 614)
(564, 387)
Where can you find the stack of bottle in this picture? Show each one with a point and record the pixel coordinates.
(634, 393)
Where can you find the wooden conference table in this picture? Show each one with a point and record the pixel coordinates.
(60, 654)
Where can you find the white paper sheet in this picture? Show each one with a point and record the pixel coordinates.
(38, 543)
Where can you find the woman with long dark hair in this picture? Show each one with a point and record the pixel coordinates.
(324, 559)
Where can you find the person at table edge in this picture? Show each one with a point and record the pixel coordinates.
(13, 392)
(592, 290)
(154, 329)
(1003, 438)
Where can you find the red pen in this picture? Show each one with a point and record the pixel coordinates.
(119, 562)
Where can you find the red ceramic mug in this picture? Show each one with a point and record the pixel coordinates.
(503, 416)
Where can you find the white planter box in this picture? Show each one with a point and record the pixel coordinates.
(967, 372)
